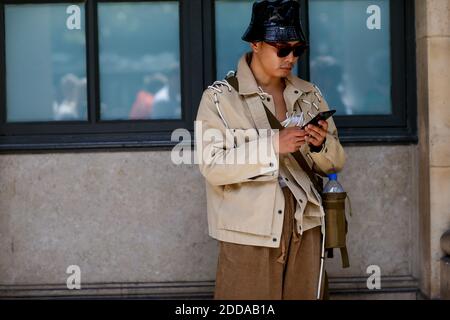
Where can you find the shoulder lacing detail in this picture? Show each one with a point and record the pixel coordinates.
(262, 94)
(216, 87)
(218, 83)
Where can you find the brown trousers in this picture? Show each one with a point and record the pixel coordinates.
(289, 272)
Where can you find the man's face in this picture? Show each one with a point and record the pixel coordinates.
(273, 65)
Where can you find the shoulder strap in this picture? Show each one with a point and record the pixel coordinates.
(232, 80)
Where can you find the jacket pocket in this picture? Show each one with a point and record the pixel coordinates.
(248, 207)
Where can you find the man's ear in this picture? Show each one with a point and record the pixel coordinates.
(255, 45)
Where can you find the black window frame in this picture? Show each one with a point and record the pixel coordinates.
(401, 125)
(95, 133)
(198, 70)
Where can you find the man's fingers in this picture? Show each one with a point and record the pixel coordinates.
(299, 144)
(299, 133)
(319, 130)
(298, 139)
(315, 135)
(323, 124)
(313, 141)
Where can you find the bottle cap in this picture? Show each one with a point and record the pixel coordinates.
(332, 176)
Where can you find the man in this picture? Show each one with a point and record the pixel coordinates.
(266, 214)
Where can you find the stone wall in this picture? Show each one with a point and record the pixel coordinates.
(135, 223)
(433, 80)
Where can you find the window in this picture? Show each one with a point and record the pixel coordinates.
(139, 68)
(114, 74)
(361, 56)
(350, 55)
(98, 74)
(45, 64)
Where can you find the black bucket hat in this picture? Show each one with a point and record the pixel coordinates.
(275, 21)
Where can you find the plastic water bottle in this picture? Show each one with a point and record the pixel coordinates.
(333, 186)
(333, 199)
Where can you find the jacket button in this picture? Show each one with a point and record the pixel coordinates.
(280, 211)
(287, 179)
(268, 99)
(301, 201)
(274, 239)
(296, 91)
(271, 164)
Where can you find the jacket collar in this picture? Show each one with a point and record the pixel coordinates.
(248, 85)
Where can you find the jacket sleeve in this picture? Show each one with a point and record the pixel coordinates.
(331, 158)
(216, 152)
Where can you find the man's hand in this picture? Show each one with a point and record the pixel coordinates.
(316, 134)
(289, 140)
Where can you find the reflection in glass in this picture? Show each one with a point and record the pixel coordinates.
(139, 60)
(45, 62)
(232, 19)
(350, 55)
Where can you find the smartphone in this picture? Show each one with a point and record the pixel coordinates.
(324, 115)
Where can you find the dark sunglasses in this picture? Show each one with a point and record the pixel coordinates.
(284, 50)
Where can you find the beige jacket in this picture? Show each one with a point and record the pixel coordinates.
(245, 203)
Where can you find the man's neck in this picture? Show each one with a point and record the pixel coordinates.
(266, 82)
